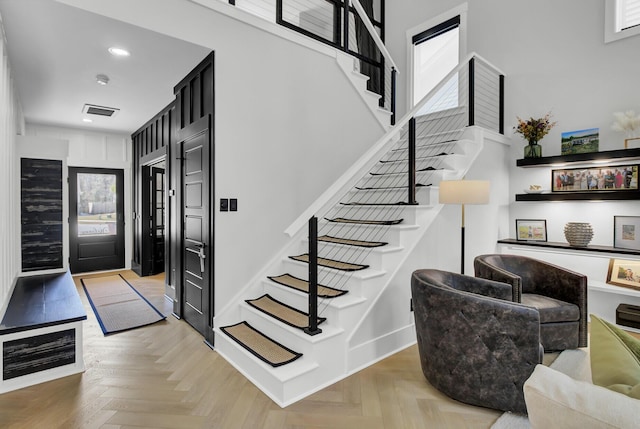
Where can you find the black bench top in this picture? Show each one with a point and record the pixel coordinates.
(42, 300)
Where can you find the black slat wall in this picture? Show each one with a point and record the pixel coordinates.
(41, 214)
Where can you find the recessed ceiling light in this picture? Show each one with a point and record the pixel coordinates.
(102, 79)
(118, 52)
(87, 120)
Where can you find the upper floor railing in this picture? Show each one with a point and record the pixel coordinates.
(354, 26)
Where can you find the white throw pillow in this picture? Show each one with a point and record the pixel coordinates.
(555, 400)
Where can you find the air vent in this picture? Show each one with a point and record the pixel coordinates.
(91, 109)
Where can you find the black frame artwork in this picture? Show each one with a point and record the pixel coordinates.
(531, 229)
(595, 179)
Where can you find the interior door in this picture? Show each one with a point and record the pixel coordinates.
(197, 305)
(157, 230)
(96, 219)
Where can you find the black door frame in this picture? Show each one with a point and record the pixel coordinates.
(146, 265)
(76, 265)
(194, 102)
(180, 304)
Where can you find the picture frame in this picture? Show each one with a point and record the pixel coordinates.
(580, 141)
(626, 232)
(624, 273)
(604, 178)
(531, 230)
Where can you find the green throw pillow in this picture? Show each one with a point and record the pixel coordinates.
(615, 358)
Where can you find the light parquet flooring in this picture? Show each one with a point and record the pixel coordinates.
(164, 376)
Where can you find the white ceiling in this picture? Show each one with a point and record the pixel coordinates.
(55, 52)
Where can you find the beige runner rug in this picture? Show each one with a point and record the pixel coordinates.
(118, 306)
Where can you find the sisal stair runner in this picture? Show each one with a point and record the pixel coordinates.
(349, 242)
(282, 312)
(303, 285)
(261, 346)
(389, 188)
(430, 168)
(331, 263)
(366, 222)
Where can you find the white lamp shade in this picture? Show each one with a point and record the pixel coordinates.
(464, 192)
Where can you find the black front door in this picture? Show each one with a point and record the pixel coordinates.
(96, 219)
(197, 307)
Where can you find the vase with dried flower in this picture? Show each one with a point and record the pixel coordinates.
(629, 123)
(533, 130)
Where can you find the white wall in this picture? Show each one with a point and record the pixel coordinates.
(555, 59)
(11, 124)
(288, 122)
(82, 148)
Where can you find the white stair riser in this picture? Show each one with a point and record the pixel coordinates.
(429, 177)
(424, 196)
(422, 163)
(283, 387)
(407, 213)
(337, 316)
(430, 147)
(351, 281)
(290, 337)
(392, 235)
(434, 152)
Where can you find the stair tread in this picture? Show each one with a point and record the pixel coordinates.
(303, 285)
(420, 158)
(331, 263)
(384, 188)
(350, 242)
(396, 204)
(281, 311)
(365, 221)
(260, 345)
(422, 170)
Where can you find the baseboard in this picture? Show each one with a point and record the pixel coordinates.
(377, 349)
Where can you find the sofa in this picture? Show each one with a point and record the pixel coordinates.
(597, 388)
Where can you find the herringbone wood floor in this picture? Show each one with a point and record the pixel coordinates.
(164, 376)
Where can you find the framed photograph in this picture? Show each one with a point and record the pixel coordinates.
(581, 141)
(626, 232)
(624, 273)
(595, 179)
(531, 229)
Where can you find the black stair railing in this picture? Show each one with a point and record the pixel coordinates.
(411, 158)
(313, 329)
(414, 158)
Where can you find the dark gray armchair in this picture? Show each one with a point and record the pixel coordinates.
(475, 344)
(560, 295)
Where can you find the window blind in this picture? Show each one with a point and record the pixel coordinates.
(628, 14)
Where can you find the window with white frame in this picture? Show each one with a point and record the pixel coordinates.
(622, 19)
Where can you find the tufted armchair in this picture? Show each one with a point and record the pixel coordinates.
(475, 344)
(559, 295)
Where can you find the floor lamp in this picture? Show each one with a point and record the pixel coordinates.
(464, 192)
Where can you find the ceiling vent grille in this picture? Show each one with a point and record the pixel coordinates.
(92, 109)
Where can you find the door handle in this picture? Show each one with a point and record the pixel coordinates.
(202, 257)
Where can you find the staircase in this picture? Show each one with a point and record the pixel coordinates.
(366, 230)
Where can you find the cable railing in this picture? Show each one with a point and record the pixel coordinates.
(418, 156)
(349, 25)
